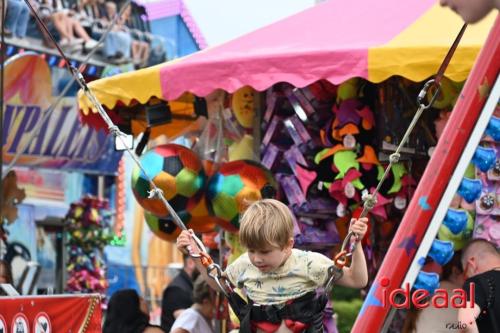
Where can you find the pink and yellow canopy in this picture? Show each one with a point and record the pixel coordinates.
(335, 40)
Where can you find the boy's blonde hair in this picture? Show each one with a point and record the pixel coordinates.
(265, 223)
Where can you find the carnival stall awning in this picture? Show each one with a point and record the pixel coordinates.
(335, 40)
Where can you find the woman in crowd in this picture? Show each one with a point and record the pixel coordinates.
(128, 313)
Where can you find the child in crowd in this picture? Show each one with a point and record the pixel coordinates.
(281, 281)
(197, 318)
(471, 11)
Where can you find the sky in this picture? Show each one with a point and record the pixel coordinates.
(223, 20)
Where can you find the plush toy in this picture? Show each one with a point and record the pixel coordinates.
(242, 104)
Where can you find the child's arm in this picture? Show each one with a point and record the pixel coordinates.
(356, 276)
(186, 242)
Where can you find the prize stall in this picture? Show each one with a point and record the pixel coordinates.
(50, 248)
(308, 110)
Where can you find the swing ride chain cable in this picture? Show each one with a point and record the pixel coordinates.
(370, 200)
(34, 133)
(213, 270)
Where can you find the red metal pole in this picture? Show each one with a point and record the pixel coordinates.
(433, 184)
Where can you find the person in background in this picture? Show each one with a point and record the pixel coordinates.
(16, 18)
(140, 48)
(471, 11)
(198, 318)
(117, 45)
(178, 296)
(68, 27)
(481, 263)
(431, 319)
(128, 313)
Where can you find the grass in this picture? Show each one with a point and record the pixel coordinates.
(347, 312)
(346, 304)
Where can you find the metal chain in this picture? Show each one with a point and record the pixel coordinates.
(115, 131)
(156, 192)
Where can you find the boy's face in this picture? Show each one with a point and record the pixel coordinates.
(471, 11)
(269, 258)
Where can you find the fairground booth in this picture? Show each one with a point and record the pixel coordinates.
(63, 183)
(309, 110)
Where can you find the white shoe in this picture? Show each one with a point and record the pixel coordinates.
(76, 41)
(90, 44)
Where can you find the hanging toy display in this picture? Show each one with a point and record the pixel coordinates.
(327, 146)
(178, 172)
(454, 230)
(89, 230)
(236, 185)
(227, 135)
(487, 162)
(242, 104)
(447, 96)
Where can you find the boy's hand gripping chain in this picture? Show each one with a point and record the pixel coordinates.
(370, 200)
(213, 270)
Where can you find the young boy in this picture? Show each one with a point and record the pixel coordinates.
(471, 11)
(275, 276)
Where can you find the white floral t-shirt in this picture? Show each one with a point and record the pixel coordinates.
(302, 272)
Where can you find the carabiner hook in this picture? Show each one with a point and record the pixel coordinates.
(424, 91)
(217, 277)
(334, 273)
(340, 259)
